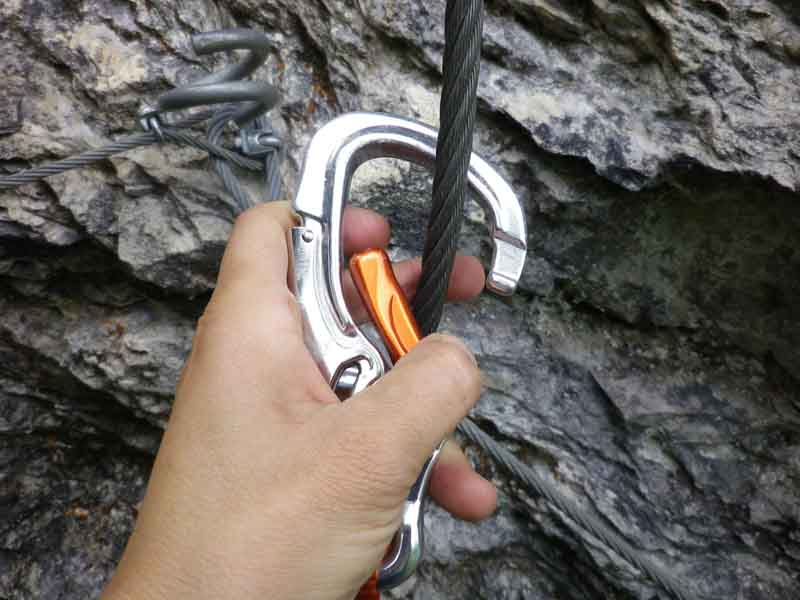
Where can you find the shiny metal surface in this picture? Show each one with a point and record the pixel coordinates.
(346, 358)
(333, 339)
(406, 550)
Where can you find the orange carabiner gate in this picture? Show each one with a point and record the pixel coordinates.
(388, 306)
(385, 300)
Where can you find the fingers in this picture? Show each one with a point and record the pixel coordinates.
(404, 415)
(252, 308)
(253, 318)
(466, 282)
(457, 488)
(363, 229)
(256, 258)
(250, 335)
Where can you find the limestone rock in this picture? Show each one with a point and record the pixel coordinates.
(648, 364)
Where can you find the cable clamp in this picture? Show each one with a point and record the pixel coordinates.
(150, 120)
(258, 141)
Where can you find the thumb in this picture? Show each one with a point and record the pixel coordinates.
(418, 403)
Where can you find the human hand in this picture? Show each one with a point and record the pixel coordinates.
(265, 485)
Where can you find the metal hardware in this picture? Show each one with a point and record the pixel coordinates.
(227, 85)
(257, 142)
(394, 320)
(150, 120)
(408, 544)
(338, 346)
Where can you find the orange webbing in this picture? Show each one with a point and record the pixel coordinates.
(369, 591)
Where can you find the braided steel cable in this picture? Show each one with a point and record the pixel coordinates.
(249, 101)
(273, 173)
(271, 165)
(535, 483)
(216, 127)
(213, 150)
(92, 156)
(461, 68)
(172, 134)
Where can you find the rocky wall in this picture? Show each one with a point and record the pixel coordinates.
(648, 364)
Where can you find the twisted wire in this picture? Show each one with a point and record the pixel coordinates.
(273, 174)
(461, 68)
(273, 159)
(216, 127)
(172, 133)
(247, 102)
(271, 164)
(216, 151)
(533, 482)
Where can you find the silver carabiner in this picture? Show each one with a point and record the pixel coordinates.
(341, 351)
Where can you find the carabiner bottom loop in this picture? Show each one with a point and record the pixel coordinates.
(405, 551)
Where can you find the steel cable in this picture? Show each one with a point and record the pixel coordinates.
(246, 104)
(216, 127)
(533, 482)
(461, 68)
(172, 134)
(458, 108)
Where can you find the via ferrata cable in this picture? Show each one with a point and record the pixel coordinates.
(245, 103)
(458, 108)
(461, 69)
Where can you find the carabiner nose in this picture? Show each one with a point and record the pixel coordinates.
(344, 144)
(341, 351)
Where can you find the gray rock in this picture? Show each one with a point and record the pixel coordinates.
(647, 367)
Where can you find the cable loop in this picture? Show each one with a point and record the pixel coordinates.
(227, 86)
(245, 102)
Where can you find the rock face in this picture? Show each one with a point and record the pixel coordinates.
(648, 365)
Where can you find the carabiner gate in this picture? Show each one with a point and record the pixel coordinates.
(344, 355)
